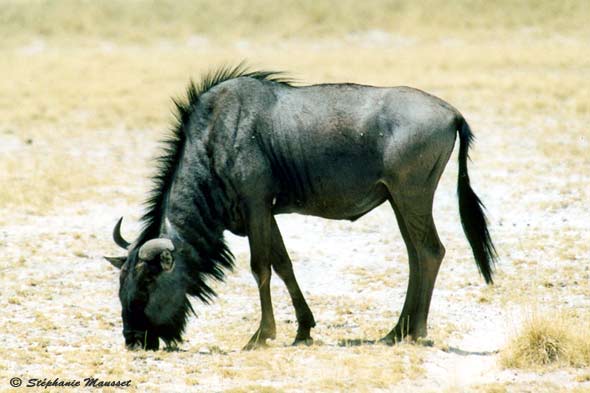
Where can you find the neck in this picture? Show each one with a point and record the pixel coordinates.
(193, 206)
(192, 216)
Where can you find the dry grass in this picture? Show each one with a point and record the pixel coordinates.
(127, 82)
(269, 20)
(124, 95)
(529, 386)
(549, 339)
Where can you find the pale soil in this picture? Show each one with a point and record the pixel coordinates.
(61, 313)
(531, 167)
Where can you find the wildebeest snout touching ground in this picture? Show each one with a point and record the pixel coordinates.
(250, 145)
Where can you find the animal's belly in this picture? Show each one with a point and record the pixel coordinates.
(341, 204)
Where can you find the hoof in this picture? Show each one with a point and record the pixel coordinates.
(425, 342)
(258, 340)
(391, 341)
(387, 340)
(303, 341)
(253, 346)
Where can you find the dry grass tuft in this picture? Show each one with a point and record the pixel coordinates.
(549, 339)
(266, 19)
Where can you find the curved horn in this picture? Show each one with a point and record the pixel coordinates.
(154, 247)
(117, 235)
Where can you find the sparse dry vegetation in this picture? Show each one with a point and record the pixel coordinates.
(549, 339)
(266, 20)
(85, 95)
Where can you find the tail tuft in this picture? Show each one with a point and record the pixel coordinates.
(471, 210)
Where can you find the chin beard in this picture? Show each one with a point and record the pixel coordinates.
(171, 330)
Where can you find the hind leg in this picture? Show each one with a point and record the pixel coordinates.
(425, 254)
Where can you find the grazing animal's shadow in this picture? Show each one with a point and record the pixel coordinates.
(462, 352)
(355, 342)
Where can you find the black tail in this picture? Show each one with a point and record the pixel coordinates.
(471, 209)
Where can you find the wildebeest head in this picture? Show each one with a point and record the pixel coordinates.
(152, 291)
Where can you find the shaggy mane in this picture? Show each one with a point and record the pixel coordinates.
(217, 255)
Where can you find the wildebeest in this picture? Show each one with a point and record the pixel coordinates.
(250, 145)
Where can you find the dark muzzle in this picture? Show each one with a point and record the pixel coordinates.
(136, 339)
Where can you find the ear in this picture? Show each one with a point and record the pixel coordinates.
(167, 261)
(116, 261)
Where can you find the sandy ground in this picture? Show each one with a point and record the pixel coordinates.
(531, 167)
(61, 313)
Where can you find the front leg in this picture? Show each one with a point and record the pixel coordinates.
(281, 264)
(259, 219)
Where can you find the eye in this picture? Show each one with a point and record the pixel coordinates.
(140, 266)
